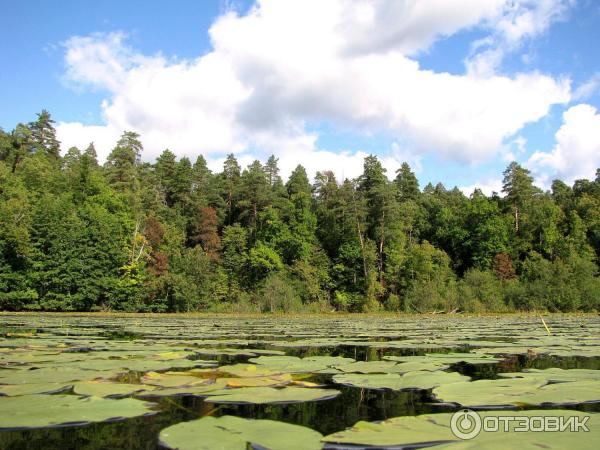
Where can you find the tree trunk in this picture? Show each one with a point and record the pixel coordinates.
(360, 236)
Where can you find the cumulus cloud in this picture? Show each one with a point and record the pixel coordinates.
(488, 187)
(576, 154)
(288, 64)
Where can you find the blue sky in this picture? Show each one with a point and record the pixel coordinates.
(457, 88)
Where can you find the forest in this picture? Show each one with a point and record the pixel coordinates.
(172, 236)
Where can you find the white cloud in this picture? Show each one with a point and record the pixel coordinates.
(486, 186)
(588, 88)
(519, 21)
(75, 134)
(286, 64)
(576, 154)
(529, 18)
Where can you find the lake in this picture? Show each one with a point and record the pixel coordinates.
(93, 381)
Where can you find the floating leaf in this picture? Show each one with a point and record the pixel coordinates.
(108, 389)
(170, 379)
(37, 388)
(371, 367)
(431, 429)
(196, 390)
(236, 352)
(446, 358)
(555, 374)
(234, 433)
(292, 364)
(35, 411)
(262, 395)
(272, 381)
(516, 391)
(426, 429)
(410, 380)
(54, 375)
(247, 370)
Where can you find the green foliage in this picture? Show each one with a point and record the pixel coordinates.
(278, 295)
(481, 291)
(173, 236)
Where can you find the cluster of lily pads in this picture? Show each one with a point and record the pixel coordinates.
(66, 371)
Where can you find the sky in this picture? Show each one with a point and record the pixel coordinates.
(456, 88)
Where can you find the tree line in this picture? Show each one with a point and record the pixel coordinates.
(171, 236)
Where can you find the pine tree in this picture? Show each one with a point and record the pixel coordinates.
(91, 155)
(122, 162)
(43, 135)
(519, 189)
(230, 185)
(272, 171)
(406, 183)
(254, 194)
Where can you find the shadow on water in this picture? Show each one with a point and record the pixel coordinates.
(345, 410)
(138, 434)
(350, 406)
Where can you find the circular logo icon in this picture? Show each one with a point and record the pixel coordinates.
(465, 424)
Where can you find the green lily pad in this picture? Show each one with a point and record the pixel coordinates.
(516, 391)
(247, 370)
(263, 395)
(236, 352)
(555, 374)
(293, 364)
(108, 389)
(234, 433)
(397, 382)
(408, 430)
(196, 390)
(36, 411)
(270, 381)
(141, 365)
(430, 429)
(54, 375)
(412, 345)
(520, 350)
(170, 379)
(13, 390)
(415, 366)
(447, 358)
(371, 367)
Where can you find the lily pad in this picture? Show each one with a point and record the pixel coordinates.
(234, 433)
(196, 390)
(431, 429)
(447, 358)
(36, 411)
(141, 365)
(55, 375)
(37, 388)
(517, 391)
(410, 380)
(408, 430)
(248, 370)
(108, 389)
(264, 395)
(292, 364)
(236, 352)
(271, 381)
(555, 374)
(170, 379)
(371, 367)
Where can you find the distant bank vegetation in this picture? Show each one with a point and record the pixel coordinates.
(173, 236)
